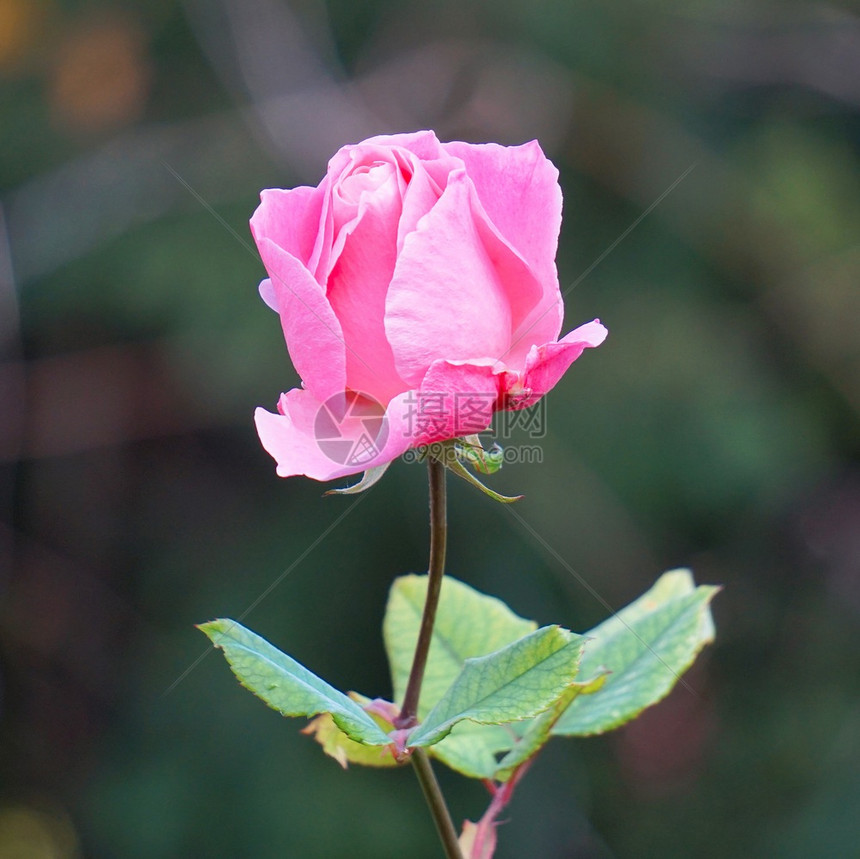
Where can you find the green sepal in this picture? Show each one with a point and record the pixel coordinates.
(286, 685)
(368, 479)
(449, 454)
(460, 470)
(471, 451)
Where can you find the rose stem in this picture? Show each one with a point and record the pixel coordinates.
(409, 711)
(436, 803)
(436, 570)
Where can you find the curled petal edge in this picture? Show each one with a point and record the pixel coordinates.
(546, 364)
(289, 438)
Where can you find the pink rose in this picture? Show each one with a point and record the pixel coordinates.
(418, 294)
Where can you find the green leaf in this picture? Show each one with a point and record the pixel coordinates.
(287, 686)
(494, 751)
(468, 624)
(646, 647)
(473, 750)
(517, 682)
(539, 730)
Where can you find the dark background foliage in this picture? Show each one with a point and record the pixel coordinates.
(716, 428)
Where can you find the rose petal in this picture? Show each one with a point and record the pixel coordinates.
(423, 165)
(290, 219)
(426, 181)
(357, 288)
(298, 439)
(546, 364)
(455, 399)
(367, 180)
(320, 262)
(313, 333)
(518, 188)
(268, 294)
(424, 144)
(521, 287)
(445, 298)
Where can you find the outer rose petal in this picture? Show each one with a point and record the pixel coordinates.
(291, 219)
(312, 331)
(268, 294)
(454, 399)
(546, 364)
(446, 298)
(518, 188)
(290, 439)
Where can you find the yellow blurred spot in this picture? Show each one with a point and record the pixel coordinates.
(101, 79)
(31, 833)
(20, 23)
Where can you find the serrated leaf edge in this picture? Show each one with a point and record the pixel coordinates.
(705, 637)
(210, 630)
(446, 725)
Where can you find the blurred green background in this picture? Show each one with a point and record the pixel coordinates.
(716, 428)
